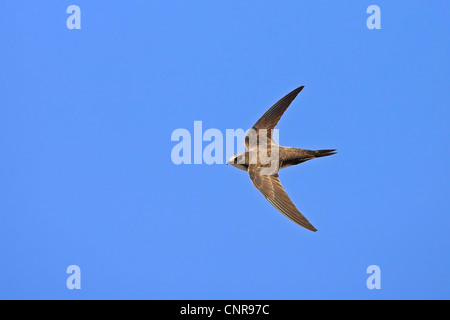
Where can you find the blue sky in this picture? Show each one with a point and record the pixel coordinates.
(87, 179)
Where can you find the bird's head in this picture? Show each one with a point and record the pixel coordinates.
(238, 161)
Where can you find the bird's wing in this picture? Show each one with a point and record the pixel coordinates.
(270, 186)
(270, 119)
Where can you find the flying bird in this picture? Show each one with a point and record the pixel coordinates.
(264, 158)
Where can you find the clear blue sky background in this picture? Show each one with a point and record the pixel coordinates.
(86, 176)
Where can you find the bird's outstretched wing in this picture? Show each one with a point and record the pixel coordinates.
(270, 119)
(270, 186)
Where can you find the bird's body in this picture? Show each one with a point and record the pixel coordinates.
(264, 158)
(288, 156)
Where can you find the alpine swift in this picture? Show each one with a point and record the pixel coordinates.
(264, 158)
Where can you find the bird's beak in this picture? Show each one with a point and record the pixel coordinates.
(228, 162)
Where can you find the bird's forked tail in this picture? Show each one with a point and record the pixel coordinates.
(323, 153)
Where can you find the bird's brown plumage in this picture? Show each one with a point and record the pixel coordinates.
(270, 186)
(270, 119)
(260, 139)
